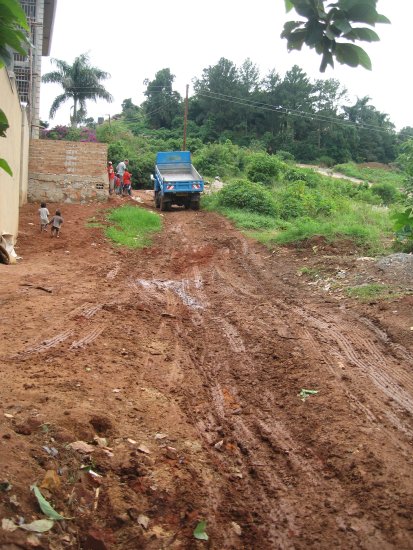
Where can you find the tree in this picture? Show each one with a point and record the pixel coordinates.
(325, 25)
(162, 104)
(13, 23)
(376, 137)
(80, 82)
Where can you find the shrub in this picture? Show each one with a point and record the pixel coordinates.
(285, 156)
(386, 191)
(310, 178)
(219, 159)
(326, 161)
(244, 194)
(297, 200)
(263, 168)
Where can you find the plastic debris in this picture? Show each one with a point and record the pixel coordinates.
(306, 393)
(200, 531)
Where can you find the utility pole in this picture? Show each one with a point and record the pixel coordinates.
(185, 117)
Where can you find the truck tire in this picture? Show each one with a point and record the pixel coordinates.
(195, 205)
(156, 199)
(165, 204)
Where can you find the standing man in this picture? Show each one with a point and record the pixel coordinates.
(111, 176)
(120, 170)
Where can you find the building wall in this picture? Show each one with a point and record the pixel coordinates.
(14, 149)
(67, 171)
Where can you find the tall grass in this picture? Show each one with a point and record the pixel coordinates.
(371, 174)
(132, 226)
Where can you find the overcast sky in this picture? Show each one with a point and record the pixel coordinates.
(132, 40)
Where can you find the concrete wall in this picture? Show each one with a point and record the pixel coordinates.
(13, 148)
(67, 171)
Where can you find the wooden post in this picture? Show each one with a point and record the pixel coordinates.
(185, 118)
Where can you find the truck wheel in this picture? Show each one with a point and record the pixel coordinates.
(156, 199)
(164, 204)
(187, 204)
(195, 205)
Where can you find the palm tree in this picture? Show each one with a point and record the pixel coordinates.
(80, 82)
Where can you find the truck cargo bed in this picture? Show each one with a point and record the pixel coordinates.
(178, 172)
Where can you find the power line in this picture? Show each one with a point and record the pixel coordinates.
(287, 111)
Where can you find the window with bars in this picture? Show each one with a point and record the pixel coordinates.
(22, 75)
(29, 7)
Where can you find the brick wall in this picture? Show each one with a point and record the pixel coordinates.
(67, 171)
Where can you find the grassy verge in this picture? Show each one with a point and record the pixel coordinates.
(132, 226)
(370, 174)
(368, 292)
(368, 227)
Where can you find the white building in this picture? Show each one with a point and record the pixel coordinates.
(27, 70)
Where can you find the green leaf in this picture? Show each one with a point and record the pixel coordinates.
(4, 165)
(368, 35)
(342, 24)
(45, 507)
(17, 14)
(352, 55)
(314, 33)
(38, 526)
(200, 531)
(402, 219)
(288, 5)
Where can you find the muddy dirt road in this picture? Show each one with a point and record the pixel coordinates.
(181, 365)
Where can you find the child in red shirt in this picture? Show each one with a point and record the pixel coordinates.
(127, 182)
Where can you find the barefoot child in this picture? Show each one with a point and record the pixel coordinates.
(44, 216)
(56, 222)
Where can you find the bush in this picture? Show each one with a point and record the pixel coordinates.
(246, 195)
(285, 156)
(297, 200)
(326, 161)
(263, 168)
(219, 159)
(310, 178)
(387, 192)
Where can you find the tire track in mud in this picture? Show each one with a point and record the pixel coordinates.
(367, 358)
(45, 345)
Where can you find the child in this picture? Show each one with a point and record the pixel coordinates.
(44, 216)
(56, 222)
(117, 185)
(127, 183)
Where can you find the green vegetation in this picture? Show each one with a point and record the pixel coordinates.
(301, 204)
(378, 175)
(80, 82)
(13, 28)
(368, 292)
(329, 29)
(132, 226)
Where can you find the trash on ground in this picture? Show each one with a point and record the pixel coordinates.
(200, 531)
(82, 447)
(38, 526)
(306, 393)
(143, 520)
(45, 506)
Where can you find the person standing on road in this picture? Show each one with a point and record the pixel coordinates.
(120, 170)
(127, 182)
(111, 176)
(44, 216)
(56, 222)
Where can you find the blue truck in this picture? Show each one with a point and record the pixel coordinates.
(176, 181)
